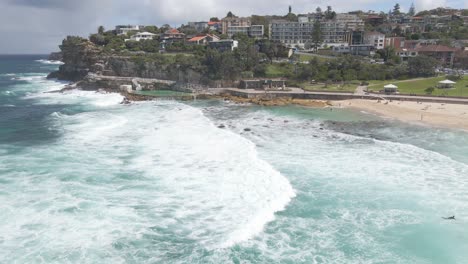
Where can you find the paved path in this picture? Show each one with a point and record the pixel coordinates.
(299, 93)
(361, 90)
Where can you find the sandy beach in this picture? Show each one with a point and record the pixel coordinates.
(434, 114)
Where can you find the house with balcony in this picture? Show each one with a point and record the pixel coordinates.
(142, 36)
(124, 29)
(224, 45)
(444, 54)
(203, 39)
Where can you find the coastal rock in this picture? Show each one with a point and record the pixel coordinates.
(78, 56)
(55, 56)
(276, 101)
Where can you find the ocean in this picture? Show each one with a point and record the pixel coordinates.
(85, 179)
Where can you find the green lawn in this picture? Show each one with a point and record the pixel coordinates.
(278, 70)
(417, 86)
(330, 88)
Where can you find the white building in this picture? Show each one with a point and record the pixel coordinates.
(375, 38)
(124, 29)
(335, 32)
(224, 45)
(142, 35)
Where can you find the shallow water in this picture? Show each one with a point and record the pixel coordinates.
(84, 179)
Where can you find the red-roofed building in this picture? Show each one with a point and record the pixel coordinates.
(173, 34)
(215, 25)
(375, 20)
(444, 54)
(203, 39)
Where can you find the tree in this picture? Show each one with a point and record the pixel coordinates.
(412, 10)
(318, 10)
(214, 19)
(396, 10)
(317, 35)
(152, 29)
(98, 39)
(429, 90)
(101, 30)
(330, 14)
(421, 66)
(290, 10)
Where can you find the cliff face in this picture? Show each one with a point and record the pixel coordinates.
(79, 57)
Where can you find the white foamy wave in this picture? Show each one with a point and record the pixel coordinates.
(146, 173)
(51, 62)
(78, 97)
(7, 74)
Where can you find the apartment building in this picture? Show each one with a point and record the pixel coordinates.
(335, 31)
(375, 38)
(228, 22)
(235, 25)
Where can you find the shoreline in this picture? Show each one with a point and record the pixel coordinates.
(440, 115)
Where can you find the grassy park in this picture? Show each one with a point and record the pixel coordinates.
(419, 86)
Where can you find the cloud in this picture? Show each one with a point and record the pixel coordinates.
(45, 3)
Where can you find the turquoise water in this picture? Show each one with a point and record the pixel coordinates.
(84, 179)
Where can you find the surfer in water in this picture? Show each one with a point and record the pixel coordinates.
(449, 218)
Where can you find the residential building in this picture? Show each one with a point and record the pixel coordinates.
(336, 31)
(216, 26)
(257, 31)
(375, 20)
(198, 26)
(172, 34)
(444, 54)
(291, 33)
(224, 45)
(203, 39)
(234, 22)
(356, 38)
(375, 38)
(232, 30)
(235, 25)
(124, 29)
(142, 36)
(362, 50)
(395, 42)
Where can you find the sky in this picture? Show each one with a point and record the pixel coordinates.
(38, 26)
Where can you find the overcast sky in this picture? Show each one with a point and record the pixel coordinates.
(38, 26)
